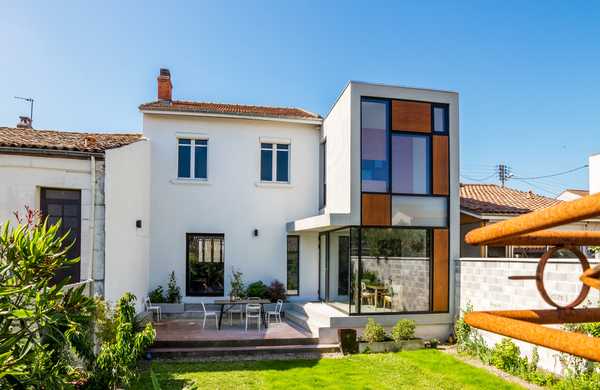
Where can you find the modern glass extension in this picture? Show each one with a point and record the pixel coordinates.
(368, 270)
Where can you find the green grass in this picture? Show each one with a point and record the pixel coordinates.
(425, 369)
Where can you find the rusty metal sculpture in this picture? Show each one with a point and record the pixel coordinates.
(529, 229)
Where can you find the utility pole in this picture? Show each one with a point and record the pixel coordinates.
(503, 173)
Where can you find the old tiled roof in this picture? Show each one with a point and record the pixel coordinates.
(63, 140)
(230, 109)
(493, 199)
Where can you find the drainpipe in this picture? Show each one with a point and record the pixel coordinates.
(92, 221)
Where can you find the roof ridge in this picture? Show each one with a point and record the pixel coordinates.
(70, 131)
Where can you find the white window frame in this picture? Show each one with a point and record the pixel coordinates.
(193, 138)
(274, 142)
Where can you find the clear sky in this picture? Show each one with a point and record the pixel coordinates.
(528, 73)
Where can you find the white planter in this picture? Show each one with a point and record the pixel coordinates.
(391, 346)
(171, 308)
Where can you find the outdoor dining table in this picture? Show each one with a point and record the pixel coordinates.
(231, 303)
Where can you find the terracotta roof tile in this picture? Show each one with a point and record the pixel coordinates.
(64, 140)
(493, 199)
(230, 109)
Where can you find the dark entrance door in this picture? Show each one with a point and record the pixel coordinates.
(65, 205)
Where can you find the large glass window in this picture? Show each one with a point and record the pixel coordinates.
(192, 165)
(374, 148)
(440, 118)
(275, 162)
(395, 266)
(419, 211)
(293, 265)
(205, 264)
(322, 174)
(410, 164)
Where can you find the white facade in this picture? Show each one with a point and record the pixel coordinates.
(594, 172)
(232, 201)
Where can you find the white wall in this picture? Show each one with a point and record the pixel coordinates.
(232, 201)
(336, 130)
(22, 177)
(127, 199)
(594, 173)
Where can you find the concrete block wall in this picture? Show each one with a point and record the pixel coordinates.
(484, 284)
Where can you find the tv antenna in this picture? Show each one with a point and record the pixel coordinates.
(30, 100)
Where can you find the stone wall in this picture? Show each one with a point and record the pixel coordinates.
(484, 284)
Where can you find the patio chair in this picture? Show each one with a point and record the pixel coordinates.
(276, 313)
(209, 314)
(253, 310)
(366, 295)
(148, 306)
(236, 309)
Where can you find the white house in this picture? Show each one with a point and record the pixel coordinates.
(359, 209)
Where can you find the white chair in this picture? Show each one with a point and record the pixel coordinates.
(253, 310)
(148, 306)
(276, 313)
(236, 309)
(209, 314)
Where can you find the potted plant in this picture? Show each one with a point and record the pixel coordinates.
(171, 300)
(374, 338)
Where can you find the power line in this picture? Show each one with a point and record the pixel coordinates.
(479, 179)
(552, 175)
(539, 187)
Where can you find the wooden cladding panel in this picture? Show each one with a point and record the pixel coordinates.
(376, 209)
(441, 164)
(440, 270)
(411, 116)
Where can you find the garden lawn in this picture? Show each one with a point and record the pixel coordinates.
(424, 369)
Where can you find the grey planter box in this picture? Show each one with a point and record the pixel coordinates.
(170, 308)
(391, 346)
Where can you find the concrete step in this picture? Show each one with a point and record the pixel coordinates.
(303, 321)
(254, 351)
(235, 343)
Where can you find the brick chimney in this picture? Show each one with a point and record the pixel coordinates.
(165, 88)
(24, 122)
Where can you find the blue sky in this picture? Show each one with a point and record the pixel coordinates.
(528, 73)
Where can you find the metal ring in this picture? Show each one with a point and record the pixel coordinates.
(539, 276)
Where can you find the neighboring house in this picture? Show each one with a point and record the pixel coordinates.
(358, 209)
(482, 204)
(572, 194)
(96, 184)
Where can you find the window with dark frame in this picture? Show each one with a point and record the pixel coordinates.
(192, 158)
(205, 264)
(293, 265)
(275, 162)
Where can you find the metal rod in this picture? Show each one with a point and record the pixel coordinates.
(561, 214)
(568, 342)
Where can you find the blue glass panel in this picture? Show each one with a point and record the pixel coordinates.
(374, 145)
(282, 147)
(200, 171)
(266, 146)
(184, 161)
(440, 118)
(282, 165)
(410, 164)
(266, 165)
(201, 142)
(185, 141)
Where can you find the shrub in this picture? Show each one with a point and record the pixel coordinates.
(507, 356)
(40, 321)
(238, 289)
(373, 332)
(257, 289)
(404, 330)
(276, 291)
(348, 341)
(116, 362)
(173, 291)
(433, 343)
(157, 295)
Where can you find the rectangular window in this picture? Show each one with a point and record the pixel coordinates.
(322, 175)
(396, 270)
(419, 211)
(205, 264)
(374, 149)
(275, 162)
(411, 156)
(293, 265)
(440, 118)
(192, 165)
(283, 154)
